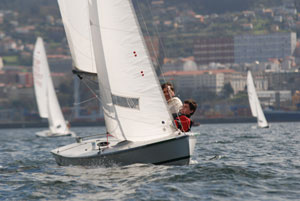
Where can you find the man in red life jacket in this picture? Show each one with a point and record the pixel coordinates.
(183, 121)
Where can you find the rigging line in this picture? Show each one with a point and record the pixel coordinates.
(85, 101)
(91, 81)
(100, 134)
(87, 78)
(70, 117)
(156, 30)
(163, 48)
(96, 96)
(159, 38)
(151, 42)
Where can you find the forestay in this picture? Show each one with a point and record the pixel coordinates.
(134, 106)
(46, 98)
(76, 23)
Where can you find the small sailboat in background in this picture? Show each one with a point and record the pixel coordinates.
(255, 106)
(47, 102)
(140, 127)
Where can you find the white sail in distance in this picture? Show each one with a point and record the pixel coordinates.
(255, 106)
(47, 102)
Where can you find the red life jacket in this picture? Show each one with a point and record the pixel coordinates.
(183, 123)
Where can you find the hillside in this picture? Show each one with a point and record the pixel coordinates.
(199, 6)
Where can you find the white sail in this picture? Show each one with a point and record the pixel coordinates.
(134, 106)
(45, 95)
(255, 106)
(40, 83)
(76, 23)
(110, 117)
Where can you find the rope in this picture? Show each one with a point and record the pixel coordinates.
(156, 30)
(151, 41)
(161, 44)
(85, 101)
(96, 96)
(101, 134)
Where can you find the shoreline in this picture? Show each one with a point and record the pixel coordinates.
(12, 125)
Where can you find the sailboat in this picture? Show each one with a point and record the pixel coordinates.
(255, 106)
(47, 102)
(140, 129)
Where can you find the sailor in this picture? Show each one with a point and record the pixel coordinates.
(183, 121)
(174, 103)
(68, 124)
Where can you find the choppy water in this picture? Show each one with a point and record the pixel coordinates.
(231, 162)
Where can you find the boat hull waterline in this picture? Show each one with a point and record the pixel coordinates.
(170, 151)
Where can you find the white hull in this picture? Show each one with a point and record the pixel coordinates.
(47, 133)
(176, 150)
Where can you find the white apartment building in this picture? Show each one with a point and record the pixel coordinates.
(210, 80)
(251, 48)
(238, 82)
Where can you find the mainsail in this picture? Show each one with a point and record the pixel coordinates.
(140, 108)
(255, 106)
(44, 91)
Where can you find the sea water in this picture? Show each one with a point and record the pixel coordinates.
(231, 162)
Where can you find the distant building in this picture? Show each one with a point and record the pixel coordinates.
(247, 26)
(238, 82)
(297, 53)
(19, 93)
(268, 12)
(283, 80)
(153, 45)
(217, 50)
(25, 29)
(157, 2)
(251, 48)
(190, 66)
(273, 98)
(249, 14)
(25, 79)
(59, 78)
(60, 63)
(179, 64)
(191, 83)
(278, 18)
